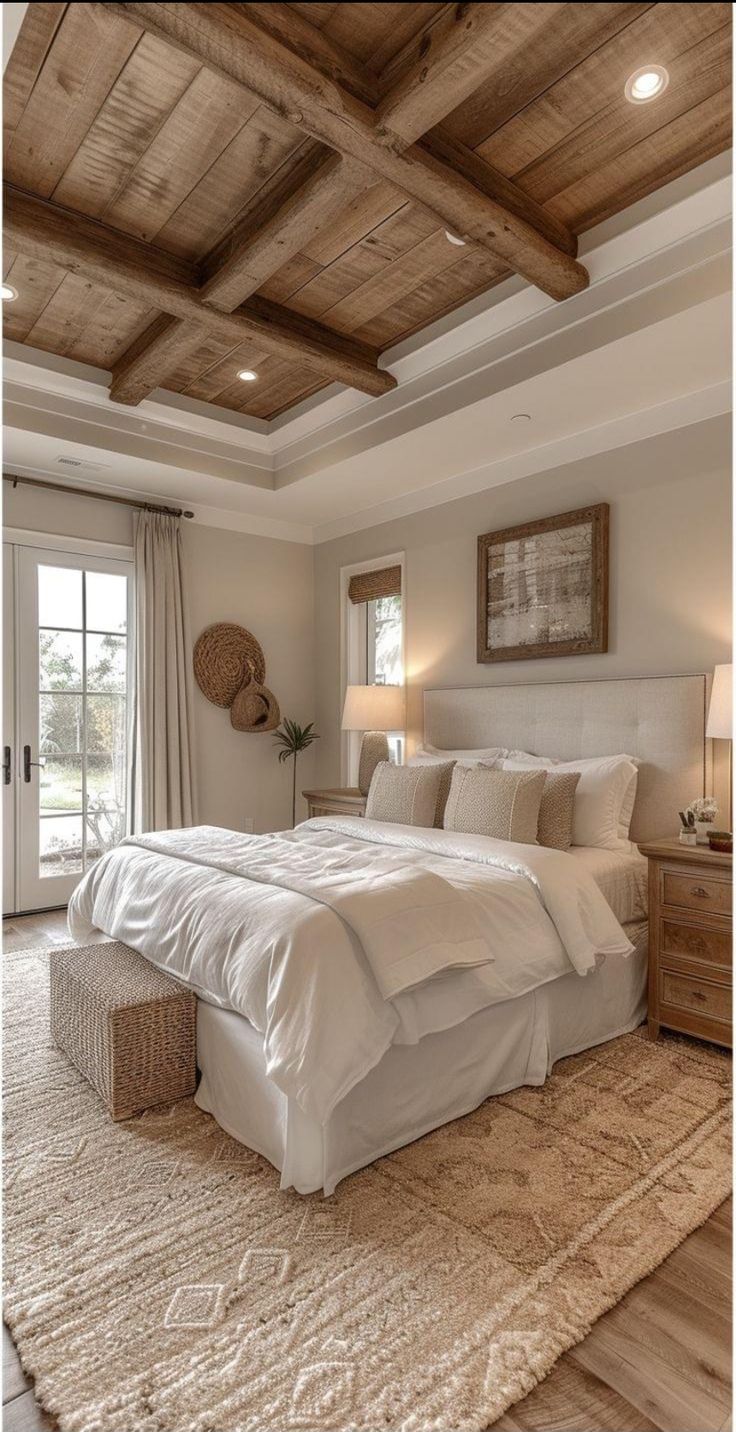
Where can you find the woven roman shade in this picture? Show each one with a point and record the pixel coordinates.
(369, 586)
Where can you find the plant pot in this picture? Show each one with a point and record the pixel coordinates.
(702, 827)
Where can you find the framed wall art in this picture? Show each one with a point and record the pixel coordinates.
(543, 587)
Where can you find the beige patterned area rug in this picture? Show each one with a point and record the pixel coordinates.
(158, 1281)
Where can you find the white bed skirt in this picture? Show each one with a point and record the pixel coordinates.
(417, 1087)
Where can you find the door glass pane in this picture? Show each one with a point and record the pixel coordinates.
(106, 780)
(104, 830)
(60, 784)
(60, 843)
(105, 723)
(59, 597)
(106, 662)
(61, 724)
(107, 602)
(83, 716)
(60, 660)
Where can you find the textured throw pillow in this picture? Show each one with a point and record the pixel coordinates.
(604, 799)
(404, 795)
(556, 810)
(502, 804)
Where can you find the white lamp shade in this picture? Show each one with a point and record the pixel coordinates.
(720, 711)
(374, 708)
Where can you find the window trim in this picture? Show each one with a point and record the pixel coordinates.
(352, 631)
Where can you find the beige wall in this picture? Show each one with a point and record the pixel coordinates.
(670, 573)
(261, 583)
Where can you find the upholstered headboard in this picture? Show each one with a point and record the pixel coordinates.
(659, 719)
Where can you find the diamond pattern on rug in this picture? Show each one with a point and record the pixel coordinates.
(158, 1280)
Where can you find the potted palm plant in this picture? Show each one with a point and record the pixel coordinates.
(293, 738)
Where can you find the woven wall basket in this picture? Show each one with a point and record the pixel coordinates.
(226, 658)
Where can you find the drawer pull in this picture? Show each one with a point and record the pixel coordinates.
(699, 890)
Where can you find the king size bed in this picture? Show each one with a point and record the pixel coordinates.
(361, 982)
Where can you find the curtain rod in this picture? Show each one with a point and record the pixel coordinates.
(100, 496)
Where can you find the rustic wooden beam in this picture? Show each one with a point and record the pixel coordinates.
(290, 218)
(318, 49)
(83, 246)
(295, 210)
(225, 38)
(152, 356)
(332, 61)
(462, 51)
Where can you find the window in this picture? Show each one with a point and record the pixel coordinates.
(373, 648)
(383, 655)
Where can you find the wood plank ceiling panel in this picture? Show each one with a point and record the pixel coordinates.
(123, 127)
(595, 86)
(88, 52)
(372, 33)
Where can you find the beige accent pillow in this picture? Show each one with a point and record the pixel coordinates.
(404, 795)
(502, 804)
(556, 810)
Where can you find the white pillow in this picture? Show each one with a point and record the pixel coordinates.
(431, 755)
(604, 799)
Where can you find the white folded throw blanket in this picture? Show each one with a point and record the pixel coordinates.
(411, 924)
(306, 933)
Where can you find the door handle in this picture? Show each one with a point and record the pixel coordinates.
(27, 763)
(7, 766)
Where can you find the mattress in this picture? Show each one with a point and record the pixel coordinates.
(621, 878)
(414, 1088)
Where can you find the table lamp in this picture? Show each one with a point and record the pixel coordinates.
(720, 712)
(374, 710)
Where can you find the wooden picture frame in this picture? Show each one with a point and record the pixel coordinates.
(531, 593)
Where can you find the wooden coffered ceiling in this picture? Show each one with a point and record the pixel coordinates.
(192, 190)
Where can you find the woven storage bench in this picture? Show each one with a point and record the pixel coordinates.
(129, 1028)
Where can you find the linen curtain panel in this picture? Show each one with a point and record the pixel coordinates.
(163, 786)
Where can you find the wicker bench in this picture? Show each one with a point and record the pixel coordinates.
(129, 1028)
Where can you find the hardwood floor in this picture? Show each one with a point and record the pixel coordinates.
(660, 1361)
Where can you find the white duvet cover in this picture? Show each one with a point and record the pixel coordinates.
(298, 932)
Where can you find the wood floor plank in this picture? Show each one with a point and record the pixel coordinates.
(14, 1378)
(572, 1399)
(23, 1414)
(642, 1378)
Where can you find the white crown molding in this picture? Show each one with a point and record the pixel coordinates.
(680, 412)
(439, 356)
(203, 515)
(512, 305)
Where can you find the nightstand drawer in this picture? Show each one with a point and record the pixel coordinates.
(696, 892)
(679, 991)
(709, 942)
(333, 808)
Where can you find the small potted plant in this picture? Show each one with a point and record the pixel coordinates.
(294, 738)
(704, 811)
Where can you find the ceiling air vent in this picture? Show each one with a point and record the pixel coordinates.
(79, 464)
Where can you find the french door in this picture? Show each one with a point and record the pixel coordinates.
(68, 737)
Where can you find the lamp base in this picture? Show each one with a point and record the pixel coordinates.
(373, 750)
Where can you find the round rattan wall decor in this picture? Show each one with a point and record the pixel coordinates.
(227, 658)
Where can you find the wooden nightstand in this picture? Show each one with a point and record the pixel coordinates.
(348, 801)
(690, 974)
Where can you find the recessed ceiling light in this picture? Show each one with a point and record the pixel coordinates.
(247, 375)
(453, 239)
(521, 418)
(9, 294)
(646, 83)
